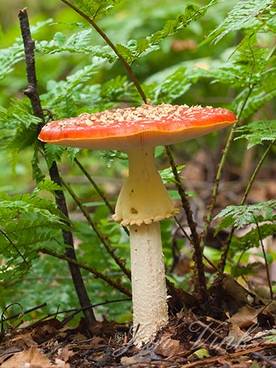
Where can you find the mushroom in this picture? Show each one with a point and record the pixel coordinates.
(143, 201)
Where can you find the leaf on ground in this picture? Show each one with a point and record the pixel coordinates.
(235, 335)
(31, 358)
(245, 317)
(201, 353)
(238, 294)
(168, 347)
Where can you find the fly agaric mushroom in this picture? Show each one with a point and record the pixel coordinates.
(143, 201)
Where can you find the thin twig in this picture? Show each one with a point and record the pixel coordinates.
(32, 93)
(23, 313)
(78, 310)
(110, 281)
(95, 186)
(255, 172)
(182, 229)
(188, 237)
(126, 65)
(207, 361)
(214, 192)
(265, 259)
(108, 247)
(201, 287)
(14, 246)
(98, 190)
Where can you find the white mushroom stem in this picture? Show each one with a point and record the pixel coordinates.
(142, 203)
(149, 294)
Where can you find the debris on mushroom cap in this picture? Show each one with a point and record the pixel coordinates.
(164, 119)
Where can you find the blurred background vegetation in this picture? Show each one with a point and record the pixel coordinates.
(183, 68)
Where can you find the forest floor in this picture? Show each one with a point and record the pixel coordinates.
(247, 339)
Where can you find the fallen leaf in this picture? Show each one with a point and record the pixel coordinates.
(65, 354)
(168, 347)
(245, 317)
(201, 353)
(31, 358)
(61, 363)
(235, 335)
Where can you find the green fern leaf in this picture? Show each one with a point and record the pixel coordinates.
(137, 48)
(245, 14)
(240, 216)
(257, 132)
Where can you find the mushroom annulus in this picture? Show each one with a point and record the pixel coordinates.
(143, 201)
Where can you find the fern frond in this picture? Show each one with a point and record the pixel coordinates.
(60, 97)
(257, 132)
(95, 8)
(80, 42)
(12, 55)
(137, 48)
(245, 14)
(240, 216)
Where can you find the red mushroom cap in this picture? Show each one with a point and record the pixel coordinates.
(122, 128)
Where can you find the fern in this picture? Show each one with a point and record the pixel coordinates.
(95, 8)
(18, 127)
(257, 132)
(240, 216)
(47, 185)
(252, 238)
(261, 94)
(9, 57)
(245, 14)
(61, 95)
(137, 48)
(80, 42)
(27, 222)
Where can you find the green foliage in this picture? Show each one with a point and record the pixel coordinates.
(252, 238)
(80, 42)
(137, 48)
(27, 222)
(63, 97)
(10, 56)
(17, 125)
(246, 14)
(240, 216)
(95, 8)
(78, 73)
(257, 132)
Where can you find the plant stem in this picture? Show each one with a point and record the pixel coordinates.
(265, 259)
(101, 237)
(255, 172)
(95, 186)
(201, 286)
(98, 190)
(110, 281)
(32, 93)
(190, 240)
(22, 314)
(14, 246)
(225, 152)
(126, 65)
(252, 178)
